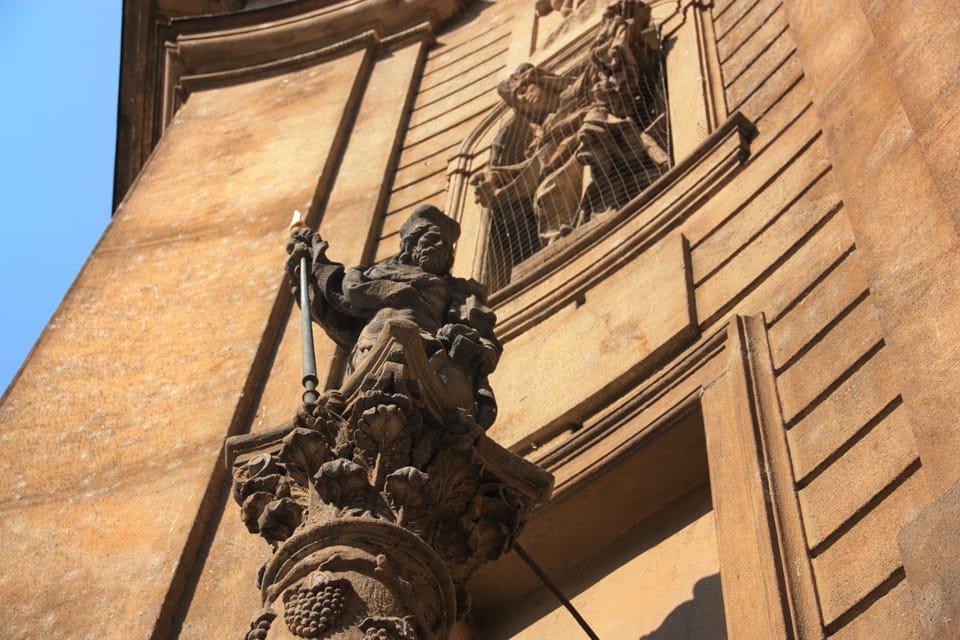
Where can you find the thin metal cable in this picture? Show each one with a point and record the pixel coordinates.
(556, 591)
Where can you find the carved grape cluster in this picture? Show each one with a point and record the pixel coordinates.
(377, 628)
(260, 626)
(310, 611)
(259, 632)
(378, 633)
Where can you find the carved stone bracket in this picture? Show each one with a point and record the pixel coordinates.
(379, 501)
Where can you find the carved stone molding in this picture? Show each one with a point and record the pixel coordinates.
(716, 403)
(166, 57)
(223, 54)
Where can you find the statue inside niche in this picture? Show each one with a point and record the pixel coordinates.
(354, 305)
(583, 142)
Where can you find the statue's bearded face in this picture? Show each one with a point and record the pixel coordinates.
(432, 252)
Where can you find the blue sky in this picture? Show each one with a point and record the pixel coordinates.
(59, 67)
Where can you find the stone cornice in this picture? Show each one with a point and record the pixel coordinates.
(166, 58)
(222, 47)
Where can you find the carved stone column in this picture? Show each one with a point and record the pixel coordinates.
(379, 501)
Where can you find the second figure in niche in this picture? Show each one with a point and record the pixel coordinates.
(583, 142)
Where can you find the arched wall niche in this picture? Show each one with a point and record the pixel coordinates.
(703, 140)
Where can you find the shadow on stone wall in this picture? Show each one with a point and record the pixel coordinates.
(702, 617)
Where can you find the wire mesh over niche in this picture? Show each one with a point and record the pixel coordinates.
(574, 145)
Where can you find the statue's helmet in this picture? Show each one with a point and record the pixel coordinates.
(426, 215)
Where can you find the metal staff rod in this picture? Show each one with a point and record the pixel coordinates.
(307, 352)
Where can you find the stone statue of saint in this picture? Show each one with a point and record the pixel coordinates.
(594, 116)
(354, 305)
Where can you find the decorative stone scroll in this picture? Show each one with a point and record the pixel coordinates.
(383, 497)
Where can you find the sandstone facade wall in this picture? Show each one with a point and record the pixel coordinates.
(832, 246)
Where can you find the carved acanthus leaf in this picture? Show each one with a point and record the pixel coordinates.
(409, 494)
(302, 453)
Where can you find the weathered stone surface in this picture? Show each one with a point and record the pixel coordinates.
(860, 399)
(743, 85)
(805, 178)
(546, 375)
(892, 616)
(810, 376)
(872, 463)
(866, 555)
(922, 49)
(832, 298)
(225, 592)
(762, 26)
(148, 357)
(164, 342)
(886, 184)
(930, 545)
(754, 182)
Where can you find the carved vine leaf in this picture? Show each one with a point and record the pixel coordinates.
(454, 479)
(383, 438)
(498, 513)
(343, 484)
(263, 490)
(302, 453)
(488, 541)
(260, 473)
(279, 519)
(322, 417)
(407, 405)
(425, 447)
(410, 497)
(273, 484)
(344, 444)
(450, 539)
(252, 508)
